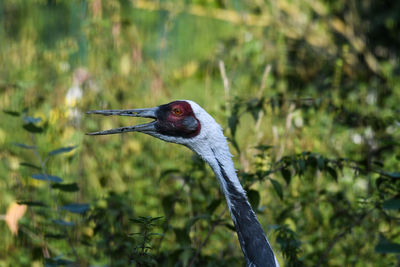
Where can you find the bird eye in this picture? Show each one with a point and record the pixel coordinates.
(177, 111)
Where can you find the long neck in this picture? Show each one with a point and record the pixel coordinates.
(252, 239)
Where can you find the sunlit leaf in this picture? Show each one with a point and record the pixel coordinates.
(62, 150)
(76, 208)
(14, 213)
(391, 204)
(277, 187)
(43, 177)
(73, 187)
(24, 146)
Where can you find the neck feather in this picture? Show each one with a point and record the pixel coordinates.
(252, 239)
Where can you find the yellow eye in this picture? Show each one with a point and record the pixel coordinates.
(177, 111)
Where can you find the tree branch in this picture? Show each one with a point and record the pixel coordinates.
(339, 236)
(206, 239)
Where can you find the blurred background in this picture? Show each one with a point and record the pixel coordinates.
(307, 92)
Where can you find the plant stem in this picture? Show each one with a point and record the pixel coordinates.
(217, 221)
(53, 196)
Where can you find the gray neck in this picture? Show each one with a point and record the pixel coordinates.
(252, 239)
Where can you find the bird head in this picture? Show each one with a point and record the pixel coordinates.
(178, 122)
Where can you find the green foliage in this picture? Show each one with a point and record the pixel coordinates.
(140, 256)
(47, 217)
(309, 103)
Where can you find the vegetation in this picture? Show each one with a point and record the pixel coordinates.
(307, 93)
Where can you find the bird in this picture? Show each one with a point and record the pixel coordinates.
(185, 122)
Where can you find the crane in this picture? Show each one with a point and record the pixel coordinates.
(185, 122)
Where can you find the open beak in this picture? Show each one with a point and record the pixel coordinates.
(143, 112)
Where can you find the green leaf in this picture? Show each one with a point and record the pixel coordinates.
(391, 204)
(277, 187)
(32, 128)
(233, 121)
(254, 198)
(235, 144)
(193, 220)
(167, 203)
(24, 146)
(169, 171)
(379, 181)
(55, 236)
(32, 203)
(286, 175)
(395, 175)
(155, 219)
(332, 172)
(43, 177)
(213, 206)
(28, 119)
(63, 223)
(72, 187)
(263, 147)
(302, 165)
(26, 164)
(12, 113)
(230, 227)
(320, 162)
(182, 237)
(76, 208)
(387, 247)
(146, 220)
(58, 262)
(61, 150)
